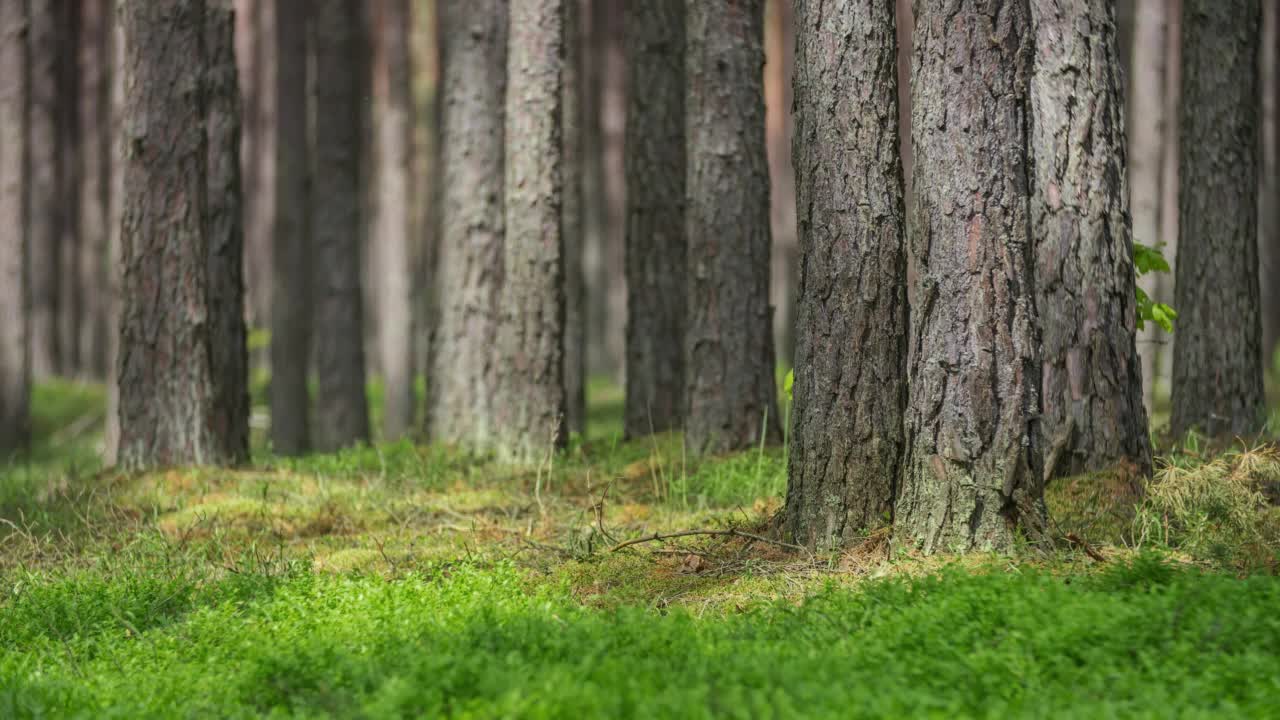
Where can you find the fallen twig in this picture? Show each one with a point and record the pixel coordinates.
(1086, 547)
(721, 533)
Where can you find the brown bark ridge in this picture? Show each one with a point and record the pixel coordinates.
(655, 239)
(15, 351)
(730, 391)
(46, 212)
(972, 472)
(571, 221)
(851, 339)
(173, 410)
(1092, 414)
(462, 384)
(96, 65)
(342, 409)
(393, 244)
(291, 247)
(1217, 368)
(530, 414)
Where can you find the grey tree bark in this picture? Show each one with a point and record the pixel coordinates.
(1217, 368)
(70, 154)
(779, 50)
(1092, 414)
(573, 114)
(15, 349)
(114, 279)
(655, 231)
(256, 38)
(1269, 204)
(730, 391)
(46, 168)
(462, 383)
(851, 340)
(342, 409)
(972, 472)
(96, 63)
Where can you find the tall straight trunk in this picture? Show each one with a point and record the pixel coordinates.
(1269, 203)
(46, 211)
(176, 406)
(95, 181)
(393, 245)
(655, 239)
(1217, 368)
(15, 350)
(70, 296)
(1092, 416)
(571, 221)
(1171, 159)
(730, 391)
(426, 91)
(256, 38)
(114, 276)
(342, 410)
(851, 334)
(779, 50)
(972, 472)
(462, 384)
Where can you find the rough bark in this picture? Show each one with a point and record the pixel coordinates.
(1092, 415)
(1217, 369)
(972, 472)
(730, 392)
(571, 221)
(851, 340)
(46, 212)
(342, 410)
(1269, 204)
(291, 306)
(462, 387)
(393, 225)
(173, 410)
(15, 353)
(95, 181)
(655, 239)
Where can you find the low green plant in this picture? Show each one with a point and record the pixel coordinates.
(1148, 259)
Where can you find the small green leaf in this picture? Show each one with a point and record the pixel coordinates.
(788, 382)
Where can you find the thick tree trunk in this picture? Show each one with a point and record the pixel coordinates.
(655, 240)
(15, 350)
(342, 409)
(1269, 203)
(393, 244)
(973, 466)
(175, 408)
(462, 384)
(1092, 415)
(95, 181)
(1217, 369)
(730, 391)
(571, 221)
(291, 305)
(46, 211)
(851, 341)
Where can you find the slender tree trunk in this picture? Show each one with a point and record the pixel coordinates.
(730, 391)
(1217, 369)
(463, 378)
(1269, 204)
(1092, 415)
(70, 151)
(426, 49)
(779, 50)
(15, 349)
(850, 374)
(571, 222)
(111, 427)
(1164, 282)
(46, 212)
(342, 410)
(973, 466)
(256, 38)
(95, 181)
(655, 240)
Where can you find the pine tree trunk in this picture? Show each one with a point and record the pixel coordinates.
(256, 37)
(972, 472)
(46, 212)
(530, 352)
(1092, 415)
(851, 340)
(342, 410)
(1269, 204)
(393, 242)
(176, 404)
(779, 50)
(730, 391)
(114, 276)
(15, 357)
(655, 240)
(571, 222)
(70, 150)
(462, 384)
(95, 181)
(1217, 369)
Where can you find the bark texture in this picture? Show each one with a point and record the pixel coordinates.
(1092, 415)
(292, 249)
(730, 392)
(531, 411)
(973, 468)
(342, 411)
(571, 221)
(15, 352)
(463, 375)
(46, 168)
(655, 232)
(1217, 368)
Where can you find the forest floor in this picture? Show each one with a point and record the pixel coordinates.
(405, 580)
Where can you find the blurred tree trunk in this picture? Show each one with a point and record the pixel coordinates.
(256, 48)
(530, 414)
(1164, 284)
(426, 90)
(115, 211)
(15, 348)
(655, 240)
(850, 375)
(393, 244)
(972, 471)
(1092, 415)
(1269, 202)
(342, 409)
(730, 391)
(96, 65)
(571, 223)
(1217, 370)
(470, 265)
(70, 152)
(46, 166)
(779, 51)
